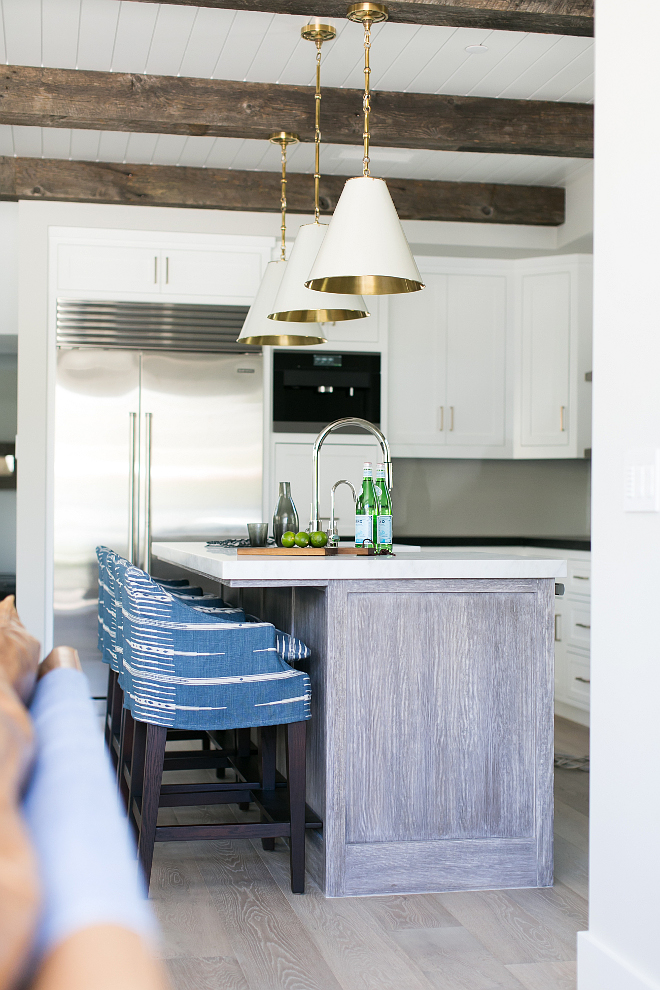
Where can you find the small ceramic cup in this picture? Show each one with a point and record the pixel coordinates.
(258, 534)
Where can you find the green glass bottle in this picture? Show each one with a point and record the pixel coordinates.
(366, 510)
(384, 518)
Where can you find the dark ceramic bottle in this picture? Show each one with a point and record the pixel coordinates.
(285, 518)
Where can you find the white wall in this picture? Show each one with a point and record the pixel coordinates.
(621, 951)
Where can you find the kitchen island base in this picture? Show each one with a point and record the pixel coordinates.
(430, 749)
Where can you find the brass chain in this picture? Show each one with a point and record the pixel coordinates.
(366, 99)
(317, 136)
(283, 203)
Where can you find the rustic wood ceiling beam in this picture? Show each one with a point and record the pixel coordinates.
(228, 189)
(117, 101)
(574, 17)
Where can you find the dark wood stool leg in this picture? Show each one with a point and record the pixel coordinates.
(267, 752)
(296, 733)
(107, 728)
(116, 709)
(243, 750)
(154, 756)
(136, 774)
(125, 751)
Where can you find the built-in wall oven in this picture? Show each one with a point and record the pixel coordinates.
(312, 389)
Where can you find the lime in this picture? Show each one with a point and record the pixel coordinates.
(302, 540)
(318, 539)
(288, 539)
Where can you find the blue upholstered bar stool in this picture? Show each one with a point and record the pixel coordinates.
(187, 669)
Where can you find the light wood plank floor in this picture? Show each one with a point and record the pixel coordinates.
(230, 922)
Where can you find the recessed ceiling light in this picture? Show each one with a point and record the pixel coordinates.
(476, 49)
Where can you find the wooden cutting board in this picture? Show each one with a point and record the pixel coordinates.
(304, 551)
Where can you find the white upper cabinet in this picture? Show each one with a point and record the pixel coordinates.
(107, 268)
(189, 272)
(417, 365)
(142, 265)
(545, 355)
(492, 360)
(552, 374)
(447, 365)
(476, 360)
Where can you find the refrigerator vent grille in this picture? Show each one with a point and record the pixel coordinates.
(151, 326)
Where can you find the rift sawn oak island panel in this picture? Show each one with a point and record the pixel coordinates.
(430, 749)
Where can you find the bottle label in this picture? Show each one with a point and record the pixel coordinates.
(385, 530)
(364, 529)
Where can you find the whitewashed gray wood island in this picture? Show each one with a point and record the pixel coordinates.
(430, 750)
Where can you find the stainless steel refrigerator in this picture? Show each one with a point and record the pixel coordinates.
(149, 445)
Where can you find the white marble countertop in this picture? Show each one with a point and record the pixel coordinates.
(226, 566)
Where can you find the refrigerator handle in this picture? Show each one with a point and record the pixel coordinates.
(132, 486)
(148, 418)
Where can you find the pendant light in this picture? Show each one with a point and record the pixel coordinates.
(258, 329)
(294, 302)
(365, 249)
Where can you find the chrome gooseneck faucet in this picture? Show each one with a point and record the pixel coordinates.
(364, 424)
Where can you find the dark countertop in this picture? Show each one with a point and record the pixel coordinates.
(552, 542)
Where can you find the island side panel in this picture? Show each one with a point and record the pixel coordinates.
(545, 731)
(441, 694)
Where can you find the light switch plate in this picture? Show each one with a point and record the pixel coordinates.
(642, 480)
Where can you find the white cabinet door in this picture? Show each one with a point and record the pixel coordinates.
(231, 273)
(293, 462)
(417, 365)
(108, 268)
(546, 332)
(476, 360)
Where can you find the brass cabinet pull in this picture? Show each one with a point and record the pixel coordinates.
(167, 271)
(451, 424)
(156, 270)
(582, 625)
(558, 629)
(441, 418)
(583, 680)
(580, 577)
(562, 410)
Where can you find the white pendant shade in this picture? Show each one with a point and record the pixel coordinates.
(365, 249)
(258, 329)
(295, 303)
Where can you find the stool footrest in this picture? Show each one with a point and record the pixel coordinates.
(252, 830)
(274, 805)
(190, 799)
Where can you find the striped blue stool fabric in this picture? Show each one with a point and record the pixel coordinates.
(188, 669)
(106, 625)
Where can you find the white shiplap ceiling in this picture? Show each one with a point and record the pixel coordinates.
(109, 35)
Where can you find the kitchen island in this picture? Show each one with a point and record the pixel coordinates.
(430, 749)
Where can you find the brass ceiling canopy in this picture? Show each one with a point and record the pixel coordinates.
(317, 32)
(372, 12)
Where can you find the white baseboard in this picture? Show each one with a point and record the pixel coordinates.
(572, 713)
(601, 969)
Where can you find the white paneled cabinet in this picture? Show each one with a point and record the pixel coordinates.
(545, 359)
(491, 360)
(476, 360)
(145, 265)
(447, 381)
(573, 640)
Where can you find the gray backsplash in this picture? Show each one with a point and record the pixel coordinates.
(491, 498)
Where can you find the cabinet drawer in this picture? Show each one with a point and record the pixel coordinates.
(578, 581)
(578, 678)
(579, 625)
